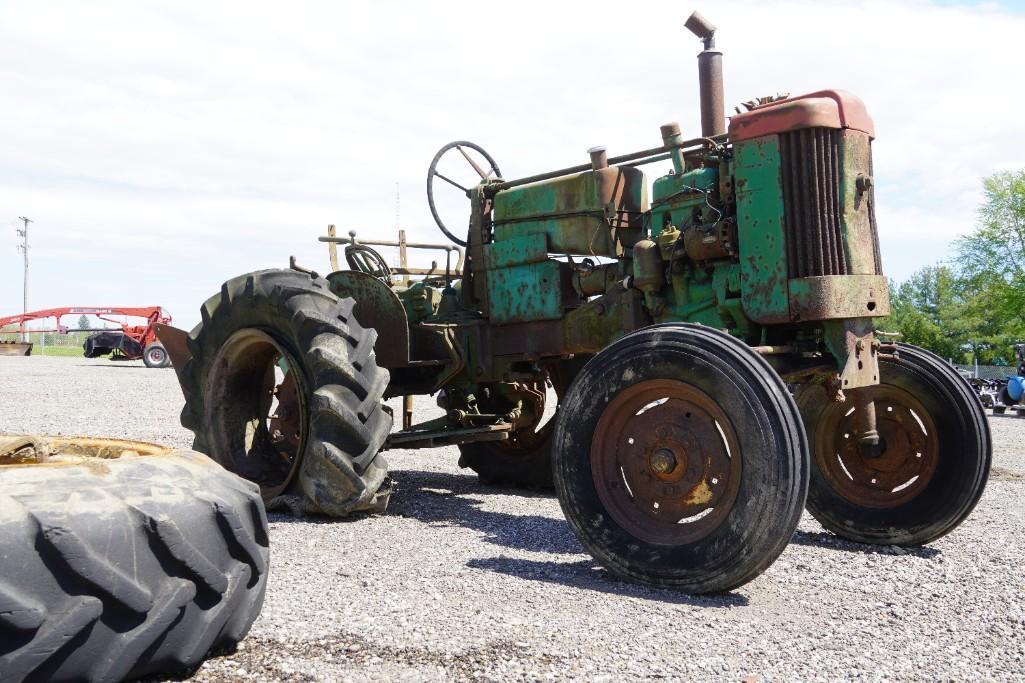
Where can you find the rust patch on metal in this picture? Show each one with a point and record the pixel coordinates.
(24, 449)
(909, 456)
(175, 342)
(666, 462)
(377, 307)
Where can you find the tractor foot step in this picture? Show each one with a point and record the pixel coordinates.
(430, 438)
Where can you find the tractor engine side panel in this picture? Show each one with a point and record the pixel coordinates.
(595, 213)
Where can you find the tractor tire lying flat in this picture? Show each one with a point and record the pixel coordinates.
(121, 559)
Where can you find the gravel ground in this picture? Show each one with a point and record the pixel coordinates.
(461, 582)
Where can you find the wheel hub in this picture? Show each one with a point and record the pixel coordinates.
(256, 409)
(662, 462)
(907, 457)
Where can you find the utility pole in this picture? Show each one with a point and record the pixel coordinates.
(23, 247)
(398, 199)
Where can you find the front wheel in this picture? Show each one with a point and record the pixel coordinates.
(680, 459)
(933, 467)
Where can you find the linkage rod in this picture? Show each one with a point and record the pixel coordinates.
(690, 147)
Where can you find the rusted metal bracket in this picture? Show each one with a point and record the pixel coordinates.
(22, 449)
(853, 344)
(294, 265)
(176, 343)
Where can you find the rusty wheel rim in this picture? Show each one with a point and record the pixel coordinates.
(906, 465)
(256, 409)
(666, 462)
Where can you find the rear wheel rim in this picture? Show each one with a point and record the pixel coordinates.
(256, 408)
(666, 462)
(907, 464)
(156, 356)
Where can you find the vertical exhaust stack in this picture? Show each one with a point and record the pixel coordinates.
(713, 112)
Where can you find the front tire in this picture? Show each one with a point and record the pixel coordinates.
(933, 470)
(680, 459)
(283, 388)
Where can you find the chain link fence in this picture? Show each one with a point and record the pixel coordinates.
(51, 343)
(987, 371)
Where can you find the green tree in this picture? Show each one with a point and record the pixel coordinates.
(926, 310)
(972, 308)
(83, 322)
(991, 262)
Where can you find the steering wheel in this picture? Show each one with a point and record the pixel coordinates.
(366, 260)
(461, 146)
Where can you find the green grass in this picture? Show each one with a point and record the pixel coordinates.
(70, 351)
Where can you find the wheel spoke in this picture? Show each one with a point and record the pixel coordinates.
(480, 171)
(452, 182)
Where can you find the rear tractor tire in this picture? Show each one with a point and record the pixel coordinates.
(680, 459)
(123, 559)
(934, 465)
(283, 388)
(155, 356)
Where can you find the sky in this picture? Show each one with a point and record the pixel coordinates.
(162, 148)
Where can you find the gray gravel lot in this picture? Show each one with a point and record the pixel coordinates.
(459, 581)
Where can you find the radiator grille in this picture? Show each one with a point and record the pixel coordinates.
(811, 202)
(872, 221)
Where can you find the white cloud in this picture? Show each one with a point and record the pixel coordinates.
(167, 148)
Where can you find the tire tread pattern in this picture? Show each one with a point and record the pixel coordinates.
(341, 471)
(98, 561)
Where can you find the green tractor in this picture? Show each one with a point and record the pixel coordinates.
(709, 350)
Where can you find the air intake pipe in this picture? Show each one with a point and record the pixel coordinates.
(713, 112)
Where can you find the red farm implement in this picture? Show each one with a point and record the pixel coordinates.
(130, 342)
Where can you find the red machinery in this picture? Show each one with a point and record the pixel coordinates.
(131, 342)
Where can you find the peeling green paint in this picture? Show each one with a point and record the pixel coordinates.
(763, 258)
(525, 293)
(516, 250)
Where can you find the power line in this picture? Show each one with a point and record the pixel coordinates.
(23, 248)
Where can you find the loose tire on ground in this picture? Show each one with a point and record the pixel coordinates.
(701, 487)
(934, 468)
(322, 456)
(119, 568)
(155, 356)
(525, 459)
